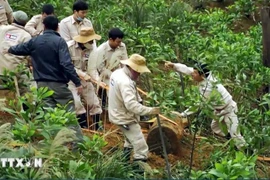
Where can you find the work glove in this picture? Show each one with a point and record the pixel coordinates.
(180, 115)
(168, 65)
(155, 110)
(144, 117)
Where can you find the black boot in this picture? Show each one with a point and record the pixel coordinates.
(96, 119)
(228, 136)
(103, 95)
(82, 120)
(126, 154)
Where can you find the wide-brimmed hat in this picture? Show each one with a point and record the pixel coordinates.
(137, 63)
(86, 34)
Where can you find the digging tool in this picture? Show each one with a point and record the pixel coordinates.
(164, 148)
(17, 89)
(143, 93)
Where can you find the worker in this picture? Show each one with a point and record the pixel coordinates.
(71, 25)
(35, 26)
(80, 49)
(209, 87)
(52, 66)
(106, 59)
(125, 107)
(11, 35)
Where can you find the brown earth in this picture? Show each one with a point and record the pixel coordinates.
(201, 155)
(115, 140)
(5, 118)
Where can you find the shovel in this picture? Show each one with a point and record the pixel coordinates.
(164, 147)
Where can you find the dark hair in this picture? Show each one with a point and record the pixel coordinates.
(48, 9)
(51, 22)
(16, 22)
(202, 69)
(80, 5)
(116, 33)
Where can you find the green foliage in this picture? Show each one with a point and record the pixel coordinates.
(240, 167)
(243, 7)
(40, 132)
(166, 30)
(33, 7)
(179, 171)
(7, 79)
(93, 146)
(227, 166)
(111, 165)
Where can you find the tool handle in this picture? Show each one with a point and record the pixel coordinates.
(164, 148)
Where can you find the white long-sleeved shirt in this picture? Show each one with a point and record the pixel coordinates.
(124, 101)
(207, 86)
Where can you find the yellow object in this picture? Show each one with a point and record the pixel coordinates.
(150, 120)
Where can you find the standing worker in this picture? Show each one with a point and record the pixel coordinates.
(52, 66)
(35, 26)
(106, 58)
(71, 25)
(125, 108)
(80, 49)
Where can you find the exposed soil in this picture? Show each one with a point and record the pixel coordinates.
(115, 140)
(5, 118)
(202, 151)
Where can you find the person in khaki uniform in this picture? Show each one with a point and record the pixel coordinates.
(80, 49)
(72, 25)
(124, 106)
(108, 55)
(12, 35)
(106, 59)
(5, 13)
(35, 26)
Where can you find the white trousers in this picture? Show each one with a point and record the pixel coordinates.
(231, 121)
(90, 97)
(134, 138)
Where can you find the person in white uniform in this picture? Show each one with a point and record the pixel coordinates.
(208, 86)
(125, 108)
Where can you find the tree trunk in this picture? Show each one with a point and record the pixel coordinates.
(265, 15)
(172, 135)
